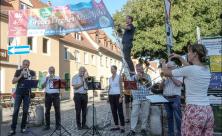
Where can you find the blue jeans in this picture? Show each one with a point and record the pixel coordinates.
(173, 110)
(18, 100)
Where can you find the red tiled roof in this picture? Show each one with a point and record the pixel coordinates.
(38, 4)
(79, 44)
(5, 6)
(102, 34)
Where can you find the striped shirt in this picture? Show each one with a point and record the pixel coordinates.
(170, 88)
(142, 90)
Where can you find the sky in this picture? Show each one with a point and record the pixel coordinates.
(111, 5)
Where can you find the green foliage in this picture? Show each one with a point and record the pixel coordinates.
(186, 15)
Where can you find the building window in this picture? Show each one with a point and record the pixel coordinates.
(45, 45)
(77, 56)
(115, 62)
(97, 37)
(29, 41)
(10, 41)
(106, 61)
(65, 54)
(67, 79)
(105, 43)
(78, 36)
(86, 61)
(101, 81)
(93, 59)
(111, 61)
(107, 81)
(101, 60)
(23, 6)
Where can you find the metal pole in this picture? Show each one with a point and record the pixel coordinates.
(169, 34)
(198, 34)
(19, 56)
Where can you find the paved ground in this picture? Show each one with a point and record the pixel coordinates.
(68, 121)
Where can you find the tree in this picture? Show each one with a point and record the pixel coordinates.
(186, 15)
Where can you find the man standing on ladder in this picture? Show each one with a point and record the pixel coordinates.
(127, 40)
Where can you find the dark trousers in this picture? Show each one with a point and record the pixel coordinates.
(18, 100)
(173, 110)
(55, 100)
(117, 109)
(127, 55)
(81, 101)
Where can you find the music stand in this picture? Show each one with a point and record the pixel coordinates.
(29, 84)
(130, 85)
(58, 84)
(92, 85)
(159, 100)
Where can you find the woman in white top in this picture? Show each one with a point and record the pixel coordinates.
(198, 118)
(115, 99)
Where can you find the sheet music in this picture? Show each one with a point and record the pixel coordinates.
(156, 99)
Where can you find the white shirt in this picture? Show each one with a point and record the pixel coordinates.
(49, 85)
(77, 80)
(114, 85)
(197, 80)
(170, 88)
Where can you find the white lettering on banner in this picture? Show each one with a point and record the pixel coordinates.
(214, 46)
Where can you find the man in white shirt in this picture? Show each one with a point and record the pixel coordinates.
(51, 97)
(80, 97)
(172, 91)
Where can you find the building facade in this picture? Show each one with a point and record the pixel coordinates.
(91, 49)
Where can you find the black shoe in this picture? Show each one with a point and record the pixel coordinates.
(127, 121)
(115, 129)
(122, 130)
(131, 133)
(58, 128)
(46, 128)
(11, 133)
(143, 132)
(23, 130)
(79, 128)
(85, 127)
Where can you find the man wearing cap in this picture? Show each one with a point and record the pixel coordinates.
(172, 91)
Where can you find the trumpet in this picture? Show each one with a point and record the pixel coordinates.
(26, 73)
(145, 81)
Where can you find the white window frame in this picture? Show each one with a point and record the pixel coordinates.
(48, 47)
(101, 60)
(31, 42)
(25, 6)
(106, 61)
(66, 53)
(77, 56)
(86, 58)
(93, 58)
(111, 61)
(78, 36)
